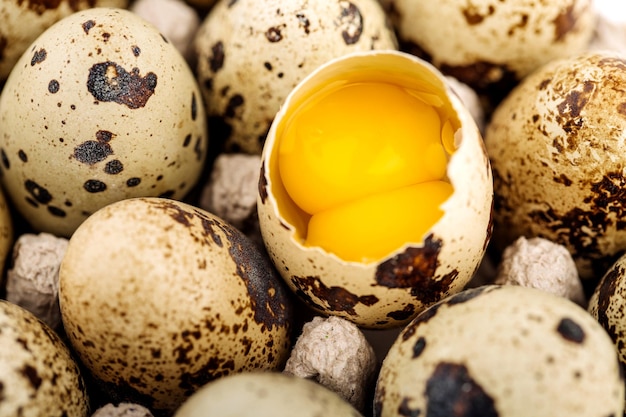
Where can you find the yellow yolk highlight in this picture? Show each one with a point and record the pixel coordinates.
(367, 162)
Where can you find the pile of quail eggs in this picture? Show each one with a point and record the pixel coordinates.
(153, 262)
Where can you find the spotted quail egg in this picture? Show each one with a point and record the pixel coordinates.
(38, 375)
(375, 191)
(252, 53)
(557, 148)
(505, 351)
(23, 21)
(492, 44)
(159, 297)
(100, 108)
(265, 394)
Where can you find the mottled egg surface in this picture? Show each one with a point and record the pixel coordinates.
(100, 108)
(251, 54)
(492, 43)
(159, 297)
(557, 153)
(23, 21)
(501, 351)
(390, 290)
(38, 375)
(265, 394)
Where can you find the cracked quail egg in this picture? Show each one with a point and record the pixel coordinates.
(556, 145)
(159, 297)
(100, 108)
(501, 351)
(375, 191)
(252, 53)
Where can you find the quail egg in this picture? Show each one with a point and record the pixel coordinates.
(556, 145)
(252, 53)
(375, 191)
(38, 375)
(100, 108)
(505, 351)
(159, 297)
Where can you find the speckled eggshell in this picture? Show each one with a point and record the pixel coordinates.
(100, 108)
(251, 54)
(265, 394)
(390, 292)
(23, 21)
(501, 352)
(608, 304)
(492, 42)
(38, 375)
(159, 297)
(557, 151)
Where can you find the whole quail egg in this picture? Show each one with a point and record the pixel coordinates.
(251, 54)
(100, 108)
(265, 394)
(375, 191)
(505, 351)
(492, 44)
(607, 305)
(557, 150)
(159, 297)
(38, 376)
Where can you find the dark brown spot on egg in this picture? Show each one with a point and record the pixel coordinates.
(114, 167)
(416, 268)
(451, 391)
(198, 149)
(351, 22)
(304, 22)
(563, 179)
(194, 106)
(473, 15)
(569, 110)
(570, 330)
(22, 155)
(564, 22)
(263, 184)
(38, 57)
(216, 59)
(405, 410)
(94, 186)
(5, 159)
(33, 377)
(88, 25)
(133, 182)
(109, 82)
(273, 34)
(91, 152)
(136, 50)
(53, 86)
(56, 211)
(39, 193)
(419, 347)
(234, 103)
(336, 299)
(187, 140)
(402, 315)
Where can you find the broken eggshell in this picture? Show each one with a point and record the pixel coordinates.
(391, 291)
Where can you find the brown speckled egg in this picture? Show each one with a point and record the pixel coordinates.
(265, 394)
(491, 44)
(159, 297)
(608, 302)
(23, 21)
(100, 108)
(505, 351)
(389, 289)
(38, 376)
(252, 53)
(557, 151)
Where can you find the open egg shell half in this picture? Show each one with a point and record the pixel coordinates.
(389, 291)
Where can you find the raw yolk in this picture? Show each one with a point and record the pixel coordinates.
(367, 162)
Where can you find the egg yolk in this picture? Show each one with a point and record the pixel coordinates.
(367, 162)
